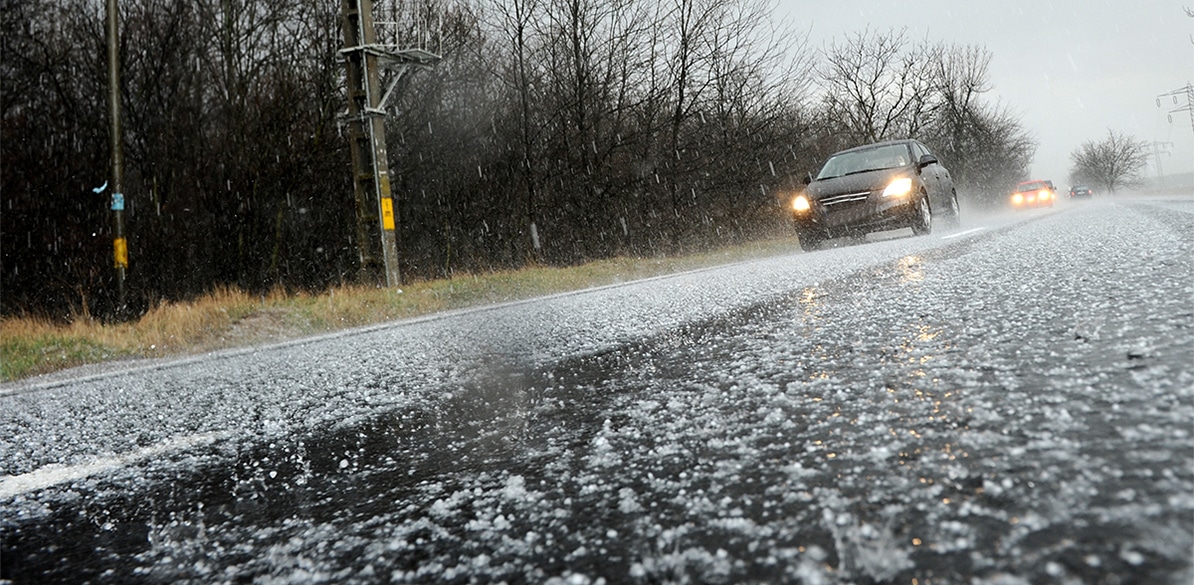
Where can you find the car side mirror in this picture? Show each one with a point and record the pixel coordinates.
(926, 160)
(808, 178)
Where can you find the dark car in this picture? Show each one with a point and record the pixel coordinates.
(876, 187)
(1081, 192)
(1033, 194)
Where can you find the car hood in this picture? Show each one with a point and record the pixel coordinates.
(857, 183)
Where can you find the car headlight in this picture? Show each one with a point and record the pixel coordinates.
(1043, 194)
(801, 204)
(1017, 199)
(898, 188)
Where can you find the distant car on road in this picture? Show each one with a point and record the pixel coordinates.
(1081, 192)
(1033, 194)
(875, 187)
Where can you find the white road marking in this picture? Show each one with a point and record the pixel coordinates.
(52, 475)
(960, 234)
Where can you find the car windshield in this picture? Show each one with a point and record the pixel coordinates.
(1033, 186)
(859, 161)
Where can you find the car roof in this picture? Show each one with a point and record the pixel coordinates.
(1029, 184)
(877, 144)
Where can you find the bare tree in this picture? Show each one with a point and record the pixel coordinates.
(613, 126)
(876, 86)
(984, 145)
(515, 27)
(230, 175)
(1112, 163)
(53, 229)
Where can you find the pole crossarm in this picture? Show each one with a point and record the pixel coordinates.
(1188, 93)
(391, 58)
(398, 61)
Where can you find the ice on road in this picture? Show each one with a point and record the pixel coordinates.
(1013, 405)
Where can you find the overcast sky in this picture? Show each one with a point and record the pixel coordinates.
(1070, 68)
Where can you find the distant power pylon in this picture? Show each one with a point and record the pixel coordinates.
(1160, 148)
(1188, 93)
(377, 216)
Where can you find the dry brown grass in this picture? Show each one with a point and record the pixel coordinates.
(228, 317)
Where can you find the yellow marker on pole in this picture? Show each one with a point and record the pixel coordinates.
(120, 248)
(387, 213)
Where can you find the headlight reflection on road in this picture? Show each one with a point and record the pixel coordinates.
(810, 313)
(810, 306)
(923, 344)
(911, 269)
(928, 333)
(808, 299)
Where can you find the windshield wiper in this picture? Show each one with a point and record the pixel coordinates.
(854, 173)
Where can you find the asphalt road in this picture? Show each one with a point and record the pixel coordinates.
(1008, 403)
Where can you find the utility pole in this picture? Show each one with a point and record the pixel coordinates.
(377, 218)
(120, 249)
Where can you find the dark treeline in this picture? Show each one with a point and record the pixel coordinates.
(553, 131)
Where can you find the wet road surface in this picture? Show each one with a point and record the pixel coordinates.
(1012, 405)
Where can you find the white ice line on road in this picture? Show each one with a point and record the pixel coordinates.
(56, 474)
(960, 234)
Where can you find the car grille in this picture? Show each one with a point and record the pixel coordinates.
(845, 198)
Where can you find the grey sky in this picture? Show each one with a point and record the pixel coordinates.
(1070, 68)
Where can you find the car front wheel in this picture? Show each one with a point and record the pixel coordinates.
(922, 222)
(953, 215)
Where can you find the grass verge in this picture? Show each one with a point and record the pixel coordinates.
(229, 318)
